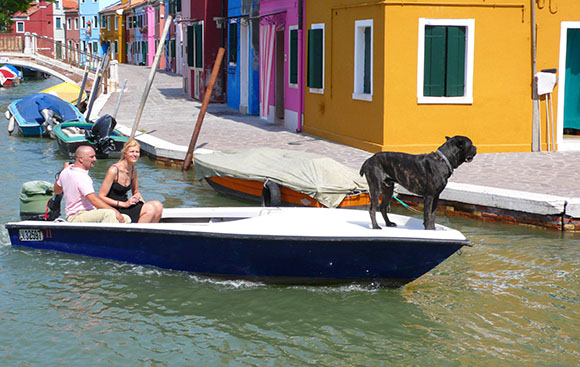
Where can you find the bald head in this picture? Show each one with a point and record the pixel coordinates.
(85, 157)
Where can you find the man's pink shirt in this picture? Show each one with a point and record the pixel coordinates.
(76, 185)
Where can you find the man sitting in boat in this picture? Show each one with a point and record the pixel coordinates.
(82, 204)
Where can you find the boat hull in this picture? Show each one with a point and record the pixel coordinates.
(251, 191)
(29, 121)
(278, 259)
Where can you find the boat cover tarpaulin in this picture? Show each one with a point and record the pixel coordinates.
(321, 178)
(30, 107)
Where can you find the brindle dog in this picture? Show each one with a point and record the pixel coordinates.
(422, 174)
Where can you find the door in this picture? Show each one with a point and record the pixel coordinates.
(244, 66)
(572, 86)
(279, 88)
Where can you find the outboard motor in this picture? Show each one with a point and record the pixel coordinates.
(51, 119)
(34, 196)
(100, 135)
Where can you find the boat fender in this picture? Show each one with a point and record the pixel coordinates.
(11, 124)
(271, 194)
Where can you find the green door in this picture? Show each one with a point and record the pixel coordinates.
(572, 89)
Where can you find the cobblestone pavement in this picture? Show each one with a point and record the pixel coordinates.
(170, 116)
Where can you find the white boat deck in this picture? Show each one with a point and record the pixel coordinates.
(282, 222)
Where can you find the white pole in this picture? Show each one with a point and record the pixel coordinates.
(151, 76)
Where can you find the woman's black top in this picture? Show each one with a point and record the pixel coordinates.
(119, 192)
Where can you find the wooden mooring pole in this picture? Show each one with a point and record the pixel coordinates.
(206, 97)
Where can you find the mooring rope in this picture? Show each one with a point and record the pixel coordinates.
(406, 206)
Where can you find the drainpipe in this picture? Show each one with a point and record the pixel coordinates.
(301, 60)
(536, 127)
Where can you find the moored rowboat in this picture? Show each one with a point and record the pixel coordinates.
(278, 177)
(276, 245)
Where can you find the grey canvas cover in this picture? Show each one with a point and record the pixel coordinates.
(321, 178)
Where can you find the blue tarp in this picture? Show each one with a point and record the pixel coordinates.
(30, 107)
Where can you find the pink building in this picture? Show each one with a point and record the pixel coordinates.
(281, 62)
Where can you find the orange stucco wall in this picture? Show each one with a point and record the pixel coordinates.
(500, 117)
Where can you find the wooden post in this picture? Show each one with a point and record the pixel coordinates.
(206, 97)
(151, 76)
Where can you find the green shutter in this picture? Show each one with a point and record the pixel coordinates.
(233, 43)
(190, 49)
(455, 81)
(315, 48)
(293, 56)
(434, 71)
(198, 45)
(367, 63)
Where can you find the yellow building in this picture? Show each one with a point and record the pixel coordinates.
(402, 75)
(113, 29)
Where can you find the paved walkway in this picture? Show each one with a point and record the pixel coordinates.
(170, 116)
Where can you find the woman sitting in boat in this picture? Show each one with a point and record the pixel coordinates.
(122, 177)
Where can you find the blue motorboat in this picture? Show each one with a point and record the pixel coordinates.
(37, 114)
(274, 245)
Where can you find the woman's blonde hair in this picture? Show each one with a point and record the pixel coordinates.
(128, 145)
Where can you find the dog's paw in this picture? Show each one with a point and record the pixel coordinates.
(391, 224)
(376, 227)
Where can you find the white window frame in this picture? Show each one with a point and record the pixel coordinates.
(116, 20)
(83, 22)
(95, 47)
(95, 21)
(320, 26)
(116, 46)
(58, 23)
(359, 59)
(69, 23)
(20, 24)
(290, 29)
(469, 25)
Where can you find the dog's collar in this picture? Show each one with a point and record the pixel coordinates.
(445, 160)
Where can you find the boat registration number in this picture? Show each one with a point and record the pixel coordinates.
(30, 235)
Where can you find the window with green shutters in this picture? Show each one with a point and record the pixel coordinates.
(195, 45)
(233, 43)
(445, 73)
(315, 72)
(198, 35)
(190, 50)
(293, 62)
(444, 61)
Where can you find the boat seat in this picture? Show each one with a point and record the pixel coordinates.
(73, 131)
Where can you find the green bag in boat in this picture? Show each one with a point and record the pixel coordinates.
(33, 198)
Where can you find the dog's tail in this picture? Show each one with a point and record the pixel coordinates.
(363, 168)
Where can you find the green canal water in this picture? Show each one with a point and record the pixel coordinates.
(510, 300)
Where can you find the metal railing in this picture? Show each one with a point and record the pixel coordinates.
(30, 43)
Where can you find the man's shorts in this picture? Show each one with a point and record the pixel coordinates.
(96, 216)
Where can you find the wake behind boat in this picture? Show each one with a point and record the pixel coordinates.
(275, 245)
